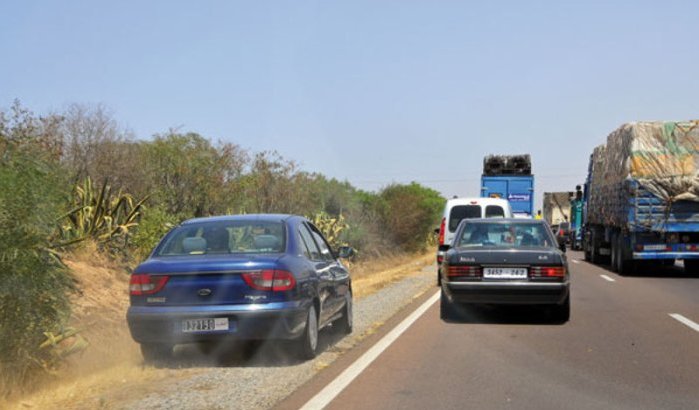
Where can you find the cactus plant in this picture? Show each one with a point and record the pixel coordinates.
(331, 227)
(98, 215)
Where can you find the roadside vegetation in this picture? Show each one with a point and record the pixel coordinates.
(77, 178)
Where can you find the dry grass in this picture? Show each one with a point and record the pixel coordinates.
(372, 276)
(103, 388)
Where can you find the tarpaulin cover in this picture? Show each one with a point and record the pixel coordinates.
(662, 156)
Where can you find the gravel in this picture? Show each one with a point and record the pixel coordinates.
(260, 379)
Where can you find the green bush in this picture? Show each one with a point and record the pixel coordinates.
(35, 285)
(409, 214)
(154, 224)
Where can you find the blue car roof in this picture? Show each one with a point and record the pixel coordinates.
(242, 217)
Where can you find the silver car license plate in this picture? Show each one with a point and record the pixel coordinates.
(505, 273)
(205, 325)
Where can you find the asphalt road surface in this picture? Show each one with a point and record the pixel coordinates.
(631, 343)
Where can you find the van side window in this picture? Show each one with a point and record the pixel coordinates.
(460, 212)
(494, 211)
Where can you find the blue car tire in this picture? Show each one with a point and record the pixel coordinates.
(156, 353)
(307, 344)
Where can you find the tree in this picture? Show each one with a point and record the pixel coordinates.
(189, 175)
(410, 213)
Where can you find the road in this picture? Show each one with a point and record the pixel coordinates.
(621, 349)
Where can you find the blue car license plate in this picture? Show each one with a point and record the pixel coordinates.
(205, 325)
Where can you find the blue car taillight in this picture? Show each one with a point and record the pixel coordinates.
(274, 280)
(145, 284)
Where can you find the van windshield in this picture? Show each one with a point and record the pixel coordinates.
(460, 212)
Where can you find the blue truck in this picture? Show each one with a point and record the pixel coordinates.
(640, 202)
(509, 177)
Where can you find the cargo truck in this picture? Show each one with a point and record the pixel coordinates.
(641, 200)
(509, 177)
(556, 206)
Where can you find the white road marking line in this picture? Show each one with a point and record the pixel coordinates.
(684, 321)
(575, 261)
(329, 392)
(607, 278)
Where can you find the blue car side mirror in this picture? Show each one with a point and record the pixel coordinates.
(345, 252)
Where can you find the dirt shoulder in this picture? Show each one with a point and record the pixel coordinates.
(110, 372)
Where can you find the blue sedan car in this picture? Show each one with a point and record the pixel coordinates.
(242, 277)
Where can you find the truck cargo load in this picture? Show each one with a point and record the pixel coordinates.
(507, 165)
(662, 156)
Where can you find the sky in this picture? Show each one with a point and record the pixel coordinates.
(372, 92)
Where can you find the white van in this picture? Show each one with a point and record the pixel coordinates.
(457, 209)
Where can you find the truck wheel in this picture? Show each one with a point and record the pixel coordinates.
(691, 266)
(614, 263)
(594, 256)
(626, 266)
(586, 251)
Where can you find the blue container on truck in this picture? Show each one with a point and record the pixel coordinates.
(641, 202)
(518, 189)
(509, 177)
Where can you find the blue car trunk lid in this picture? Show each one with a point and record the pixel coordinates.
(216, 280)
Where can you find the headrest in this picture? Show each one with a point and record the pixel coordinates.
(266, 242)
(194, 245)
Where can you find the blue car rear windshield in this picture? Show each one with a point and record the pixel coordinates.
(509, 235)
(224, 237)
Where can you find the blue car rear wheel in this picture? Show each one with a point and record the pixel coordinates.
(155, 353)
(307, 344)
